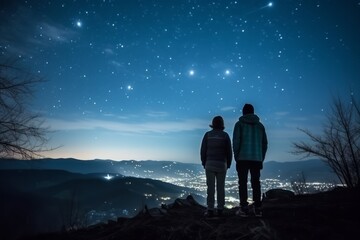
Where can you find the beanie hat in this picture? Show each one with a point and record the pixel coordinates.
(248, 109)
(217, 123)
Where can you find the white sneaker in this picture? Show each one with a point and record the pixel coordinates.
(242, 212)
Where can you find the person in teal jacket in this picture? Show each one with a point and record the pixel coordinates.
(216, 157)
(249, 146)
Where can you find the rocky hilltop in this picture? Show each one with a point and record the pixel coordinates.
(326, 215)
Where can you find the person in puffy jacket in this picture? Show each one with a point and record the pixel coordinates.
(249, 146)
(216, 157)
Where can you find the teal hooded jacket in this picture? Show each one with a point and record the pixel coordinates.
(249, 139)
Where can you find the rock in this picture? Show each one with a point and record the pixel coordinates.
(279, 194)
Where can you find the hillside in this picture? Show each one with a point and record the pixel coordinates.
(328, 215)
(34, 201)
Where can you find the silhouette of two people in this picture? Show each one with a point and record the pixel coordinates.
(249, 146)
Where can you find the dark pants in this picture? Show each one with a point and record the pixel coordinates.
(255, 184)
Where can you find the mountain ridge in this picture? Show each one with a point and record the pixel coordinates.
(313, 169)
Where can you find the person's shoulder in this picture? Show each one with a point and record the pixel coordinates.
(220, 132)
(261, 125)
(225, 133)
(238, 122)
(206, 133)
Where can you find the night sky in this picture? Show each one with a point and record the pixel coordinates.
(142, 79)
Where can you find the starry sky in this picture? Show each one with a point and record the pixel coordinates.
(142, 79)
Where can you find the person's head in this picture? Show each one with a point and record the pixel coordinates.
(248, 109)
(218, 123)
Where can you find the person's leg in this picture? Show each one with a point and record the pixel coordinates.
(210, 182)
(220, 190)
(243, 191)
(255, 185)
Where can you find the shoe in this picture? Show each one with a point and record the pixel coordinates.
(242, 212)
(258, 212)
(219, 212)
(209, 213)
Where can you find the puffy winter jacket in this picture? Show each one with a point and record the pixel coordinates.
(249, 139)
(216, 153)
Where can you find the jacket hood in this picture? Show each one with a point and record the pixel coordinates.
(249, 119)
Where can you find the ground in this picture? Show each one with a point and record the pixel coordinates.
(328, 215)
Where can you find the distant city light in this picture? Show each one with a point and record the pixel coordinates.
(108, 177)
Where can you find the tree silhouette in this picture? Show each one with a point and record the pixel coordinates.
(22, 132)
(339, 144)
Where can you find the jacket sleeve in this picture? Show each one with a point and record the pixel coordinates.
(228, 151)
(236, 140)
(203, 150)
(264, 144)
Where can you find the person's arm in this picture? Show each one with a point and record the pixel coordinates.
(203, 150)
(264, 144)
(236, 140)
(229, 151)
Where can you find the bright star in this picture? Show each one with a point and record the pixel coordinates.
(227, 72)
(78, 23)
(191, 72)
(269, 5)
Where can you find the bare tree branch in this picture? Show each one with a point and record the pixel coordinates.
(22, 132)
(339, 144)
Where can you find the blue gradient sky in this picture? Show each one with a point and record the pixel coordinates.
(143, 79)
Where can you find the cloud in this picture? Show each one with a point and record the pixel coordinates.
(15, 32)
(218, 65)
(29, 29)
(281, 114)
(109, 51)
(56, 32)
(117, 64)
(155, 114)
(228, 108)
(128, 127)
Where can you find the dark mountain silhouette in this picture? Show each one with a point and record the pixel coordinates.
(313, 170)
(35, 201)
(29, 180)
(328, 215)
